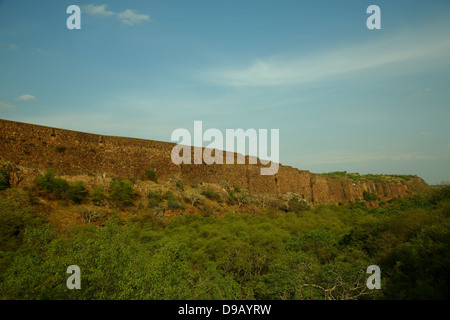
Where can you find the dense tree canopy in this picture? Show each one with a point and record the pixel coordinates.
(319, 252)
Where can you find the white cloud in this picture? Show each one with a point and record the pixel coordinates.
(97, 10)
(400, 54)
(5, 106)
(129, 17)
(335, 158)
(421, 93)
(26, 97)
(11, 46)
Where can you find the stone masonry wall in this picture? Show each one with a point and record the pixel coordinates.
(73, 153)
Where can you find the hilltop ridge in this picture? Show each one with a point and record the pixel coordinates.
(96, 159)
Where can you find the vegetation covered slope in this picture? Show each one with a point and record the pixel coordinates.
(379, 178)
(216, 242)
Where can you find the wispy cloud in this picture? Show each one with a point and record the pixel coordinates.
(48, 53)
(361, 158)
(422, 93)
(25, 97)
(9, 47)
(401, 53)
(128, 17)
(5, 106)
(97, 10)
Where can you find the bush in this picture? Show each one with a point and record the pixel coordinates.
(439, 194)
(152, 202)
(89, 215)
(4, 179)
(122, 192)
(151, 175)
(54, 186)
(77, 192)
(226, 186)
(207, 211)
(60, 189)
(155, 195)
(296, 205)
(180, 185)
(98, 196)
(242, 198)
(195, 197)
(231, 201)
(173, 204)
(211, 194)
(370, 196)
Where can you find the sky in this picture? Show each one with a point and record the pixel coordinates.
(344, 97)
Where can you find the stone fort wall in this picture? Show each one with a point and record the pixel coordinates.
(73, 153)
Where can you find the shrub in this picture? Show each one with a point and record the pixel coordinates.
(211, 194)
(172, 204)
(207, 211)
(296, 205)
(61, 189)
(46, 182)
(77, 192)
(180, 185)
(440, 193)
(89, 215)
(4, 179)
(358, 204)
(226, 186)
(98, 196)
(242, 198)
(195, 197)
(154, 199)
(61, 149)
(370, 196)
(152, 203)
(55, 186)
(231, 201)
(154, 195)
(169, 195)
(122, 192)
(151, 175)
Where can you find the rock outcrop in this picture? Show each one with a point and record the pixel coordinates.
(34, 148)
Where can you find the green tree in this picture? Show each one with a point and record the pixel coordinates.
(77, 192)
(98, 196)
(151, 175)
(121, 192)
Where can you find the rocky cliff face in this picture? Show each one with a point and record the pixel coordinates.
(97, 158)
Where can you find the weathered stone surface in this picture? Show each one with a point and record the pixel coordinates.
(96, 158)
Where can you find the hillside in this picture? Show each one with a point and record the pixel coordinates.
(97, 159)
(143, 228)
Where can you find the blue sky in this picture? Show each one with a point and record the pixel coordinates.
(343, 97)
